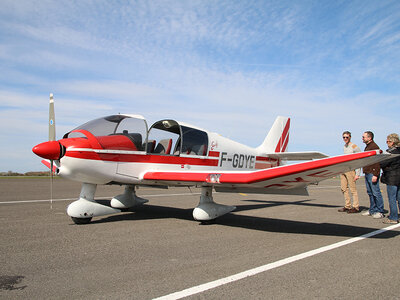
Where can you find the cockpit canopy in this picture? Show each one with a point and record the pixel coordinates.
(132, 127)
(176, 139)
(130, 132)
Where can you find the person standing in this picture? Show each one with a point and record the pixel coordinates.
(348, 179)
(372, 173)
(391, 177)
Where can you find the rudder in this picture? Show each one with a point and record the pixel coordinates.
(278, 137)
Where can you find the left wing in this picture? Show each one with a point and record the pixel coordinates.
(288, 179)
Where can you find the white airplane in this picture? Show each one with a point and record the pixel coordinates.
(121, 149)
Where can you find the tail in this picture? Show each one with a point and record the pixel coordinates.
(278, 137)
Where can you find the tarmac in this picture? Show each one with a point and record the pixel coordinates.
(271, 246)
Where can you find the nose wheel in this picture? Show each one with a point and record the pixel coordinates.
(82, 210)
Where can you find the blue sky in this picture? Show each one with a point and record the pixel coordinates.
(227, 66)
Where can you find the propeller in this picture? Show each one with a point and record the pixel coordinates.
(52, 137)
(52, 149)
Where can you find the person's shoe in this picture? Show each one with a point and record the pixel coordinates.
(378, 215)
(353, 210)
(389, 221)
(366, 213)
(343, 209)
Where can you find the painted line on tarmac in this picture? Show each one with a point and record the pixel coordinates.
(219, 282)
(97, 198)
(316, 186)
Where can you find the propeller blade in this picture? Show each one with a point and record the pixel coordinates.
(52, 137)
(52, 123)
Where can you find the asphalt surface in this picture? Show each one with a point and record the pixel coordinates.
(160, 249)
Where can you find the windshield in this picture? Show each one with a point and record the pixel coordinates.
(99, 127)
(134, 128)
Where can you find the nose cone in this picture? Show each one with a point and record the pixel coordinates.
(48, 150)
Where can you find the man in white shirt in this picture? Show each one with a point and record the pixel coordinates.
(348, 179)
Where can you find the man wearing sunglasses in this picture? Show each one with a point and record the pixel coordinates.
(372, 174)
(348, 179)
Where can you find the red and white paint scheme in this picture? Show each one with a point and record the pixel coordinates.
(122, 149)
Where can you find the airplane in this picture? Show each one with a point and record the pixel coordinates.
(122, 150)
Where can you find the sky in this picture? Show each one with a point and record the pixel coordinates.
(229, 66)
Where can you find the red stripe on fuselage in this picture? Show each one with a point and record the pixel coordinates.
(213, 154)
(264, 175)
(145, 158)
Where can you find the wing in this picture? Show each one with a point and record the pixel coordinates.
(288, 179)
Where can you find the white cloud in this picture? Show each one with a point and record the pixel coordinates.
(227, 66)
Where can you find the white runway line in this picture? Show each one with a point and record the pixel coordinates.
(37, 201)
(213, 284)
(97, 198)
(105, 198)
(324, 187)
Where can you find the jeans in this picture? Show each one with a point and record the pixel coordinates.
(374, 193)
(393, 192)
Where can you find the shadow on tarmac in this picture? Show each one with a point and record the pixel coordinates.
(149, 211)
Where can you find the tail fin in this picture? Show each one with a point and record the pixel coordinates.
(278, 137)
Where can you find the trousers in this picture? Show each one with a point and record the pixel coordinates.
(374, 193)
(347, 183)
(393, 192)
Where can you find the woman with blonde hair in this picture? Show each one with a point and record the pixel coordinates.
(391, 177)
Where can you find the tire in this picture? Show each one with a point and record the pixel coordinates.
(80, 221)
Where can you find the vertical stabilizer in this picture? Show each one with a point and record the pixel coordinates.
(278, 137)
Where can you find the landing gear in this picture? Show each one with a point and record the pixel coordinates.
(85, 208)
(82, 210)
(128, 199)
(209, 210)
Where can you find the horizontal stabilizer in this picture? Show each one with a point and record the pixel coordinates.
(308, 155)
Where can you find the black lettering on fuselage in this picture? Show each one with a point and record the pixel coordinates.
(223, 158)
(235, 160)
(251, 166)
(239, 161)
(247, 157)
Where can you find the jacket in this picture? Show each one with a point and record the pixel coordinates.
(391, 168)
(375, 169)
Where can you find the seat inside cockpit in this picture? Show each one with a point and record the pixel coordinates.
(168, 137)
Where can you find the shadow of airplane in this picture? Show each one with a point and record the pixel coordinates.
(269, 203)
(148, 211)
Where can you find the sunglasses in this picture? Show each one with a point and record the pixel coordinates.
(346, 137)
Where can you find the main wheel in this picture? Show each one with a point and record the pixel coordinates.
(80, 221)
